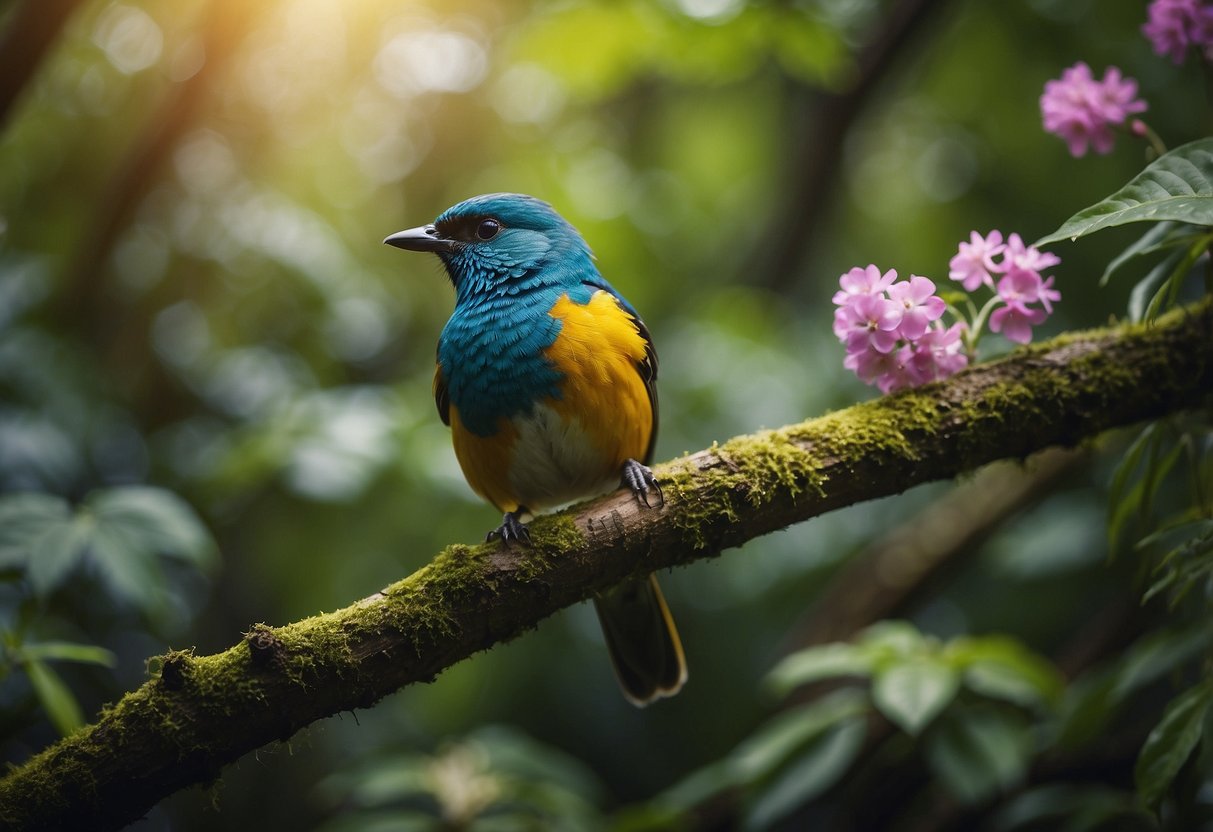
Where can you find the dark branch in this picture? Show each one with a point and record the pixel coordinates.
(27, 37)
(826, 119)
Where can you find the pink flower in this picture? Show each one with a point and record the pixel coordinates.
(919, 305)
(868, 321)
(859, 281)
(1048, 295)
(1015, 321)
(940, 352)
(900, 374)
(1018, 289)
(973, 265)
(1020, 286)
(1029, 258)
(1083, 111)
(1174, 25)
(869, 364)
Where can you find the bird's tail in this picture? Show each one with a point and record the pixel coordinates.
(642, 639)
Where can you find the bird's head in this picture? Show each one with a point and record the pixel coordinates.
(501, 243)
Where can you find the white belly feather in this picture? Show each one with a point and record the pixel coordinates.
(556, 462)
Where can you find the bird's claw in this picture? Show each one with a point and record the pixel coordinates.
(639, 480)
(511, 530)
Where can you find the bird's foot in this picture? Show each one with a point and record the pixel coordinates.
(639, 480)
(512, 529)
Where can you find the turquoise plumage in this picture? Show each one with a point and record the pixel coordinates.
(546, 376)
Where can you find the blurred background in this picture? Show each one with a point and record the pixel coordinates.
(203, 340)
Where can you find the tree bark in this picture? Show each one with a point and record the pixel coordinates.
(199, 713)
(30, 33)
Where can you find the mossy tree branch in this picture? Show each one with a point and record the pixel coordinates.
(199, 713)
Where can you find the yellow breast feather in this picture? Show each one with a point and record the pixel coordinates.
(599, 351)
(485, 461)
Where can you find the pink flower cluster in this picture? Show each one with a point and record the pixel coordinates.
(1174, 25)
(1020, 287)
(892, 331)
(1083, 111)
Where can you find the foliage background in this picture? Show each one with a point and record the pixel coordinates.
(193, 296)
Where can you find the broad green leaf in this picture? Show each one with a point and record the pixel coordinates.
(979, 751)
(155, 520)
(898, 638)
(816, 663)
(55, 697)
(1171, 742)
(129, 570)
(1176, 186)
(1003, 668)
(913, 692)
(771, 745)
(814, 770)
(56, 552)
(25, 517)
(66, 651)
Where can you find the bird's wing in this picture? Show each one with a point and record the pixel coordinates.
(442, 396)
(648, 372)
(646, 367)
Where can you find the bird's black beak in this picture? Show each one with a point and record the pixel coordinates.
(422, 238)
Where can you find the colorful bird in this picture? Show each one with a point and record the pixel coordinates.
(546, 377)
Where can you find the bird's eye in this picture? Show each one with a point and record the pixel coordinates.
(488, 229)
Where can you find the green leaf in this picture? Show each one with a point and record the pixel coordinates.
(913, 692)
(1151, 289)
(66, 651)
(979, 751)
(55, 696)
(524, 759)
(1153, 240)
(1070, 808)
(130, 571)
(56, 552)
(24, 518)
(1171, 742)
(814, 771)
(1127, 501)
(155, 520)
(892, 638)
(816, 663)
(1176, 186)
(1168, 293)
(1000, 667)
(771, 745)
(693, 790)
(1185, 564)
(1153, 656)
